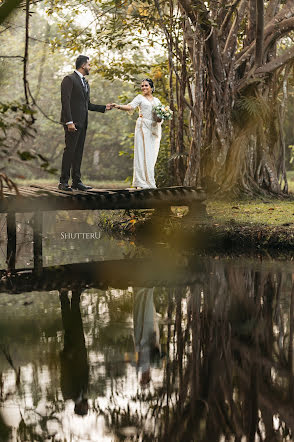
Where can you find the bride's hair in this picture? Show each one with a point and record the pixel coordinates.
(151, 83)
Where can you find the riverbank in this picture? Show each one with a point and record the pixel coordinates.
(266, 224)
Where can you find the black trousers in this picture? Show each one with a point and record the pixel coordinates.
(72, 155)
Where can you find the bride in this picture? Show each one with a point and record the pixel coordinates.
(147, 135)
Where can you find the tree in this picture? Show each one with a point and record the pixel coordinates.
(242, 60)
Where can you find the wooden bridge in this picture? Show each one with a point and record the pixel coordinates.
(39, 199)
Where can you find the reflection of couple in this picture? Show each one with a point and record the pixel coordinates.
(75, 99)
(74, 360)
(146, 332)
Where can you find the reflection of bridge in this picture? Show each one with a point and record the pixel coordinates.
(38, 199)
(121, 274)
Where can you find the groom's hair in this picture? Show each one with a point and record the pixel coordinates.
(81, 60)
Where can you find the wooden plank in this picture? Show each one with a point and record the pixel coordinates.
(54, 191)
(23, 190)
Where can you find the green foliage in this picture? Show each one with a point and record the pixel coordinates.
(250, 108)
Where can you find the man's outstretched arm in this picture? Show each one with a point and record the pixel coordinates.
(98, 107)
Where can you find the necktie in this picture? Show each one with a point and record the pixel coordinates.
(85, 84)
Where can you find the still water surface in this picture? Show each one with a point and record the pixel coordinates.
(206, 358)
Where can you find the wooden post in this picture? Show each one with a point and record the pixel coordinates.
(37, 237)
(11, 241)
(197, 213)
(162, 212)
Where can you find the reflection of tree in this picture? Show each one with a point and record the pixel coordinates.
(74, 361)
(229, 367)
(235, 376)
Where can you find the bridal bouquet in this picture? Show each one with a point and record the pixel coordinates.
(163, 112)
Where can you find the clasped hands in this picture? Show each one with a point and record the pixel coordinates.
(111, 106)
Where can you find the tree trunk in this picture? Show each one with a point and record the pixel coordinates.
(237, 141)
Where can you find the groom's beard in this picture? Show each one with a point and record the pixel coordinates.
(86, 71)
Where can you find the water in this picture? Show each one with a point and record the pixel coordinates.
(204, 355)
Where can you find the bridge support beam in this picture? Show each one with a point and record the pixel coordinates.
(197, 212)
(11, 241)
(37, 238)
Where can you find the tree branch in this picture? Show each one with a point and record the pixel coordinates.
(274, 25)
(259, 32)
(285, 13)
(284, 28)
(271, 10)
(228, 17)
(251, 26)
(168, 39)
(12, 56)
(26, 51)
(232, 37)
(187, 8)
(287, 56)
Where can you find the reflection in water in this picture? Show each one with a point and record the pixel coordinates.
(213, 361)
(146, 331)
(74, 363)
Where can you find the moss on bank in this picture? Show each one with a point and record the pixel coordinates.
(239, 225)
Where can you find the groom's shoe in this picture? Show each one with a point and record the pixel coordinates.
(62, 186)
(80, 186)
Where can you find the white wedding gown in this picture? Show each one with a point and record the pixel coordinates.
(146, 143)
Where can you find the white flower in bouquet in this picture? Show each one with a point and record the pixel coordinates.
(163, 112)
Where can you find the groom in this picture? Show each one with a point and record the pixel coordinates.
(75, 100)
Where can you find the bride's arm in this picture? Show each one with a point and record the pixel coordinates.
(124, 107)
(130, 106)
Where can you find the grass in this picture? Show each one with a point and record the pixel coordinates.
(266, 211)
(271, 212)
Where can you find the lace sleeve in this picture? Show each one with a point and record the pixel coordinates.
(136, 102)
(158, 102)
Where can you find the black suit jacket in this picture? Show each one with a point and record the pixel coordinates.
(75, 101)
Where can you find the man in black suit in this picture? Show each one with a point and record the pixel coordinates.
(75, 100)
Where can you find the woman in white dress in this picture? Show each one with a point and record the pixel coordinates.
(147, 135)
